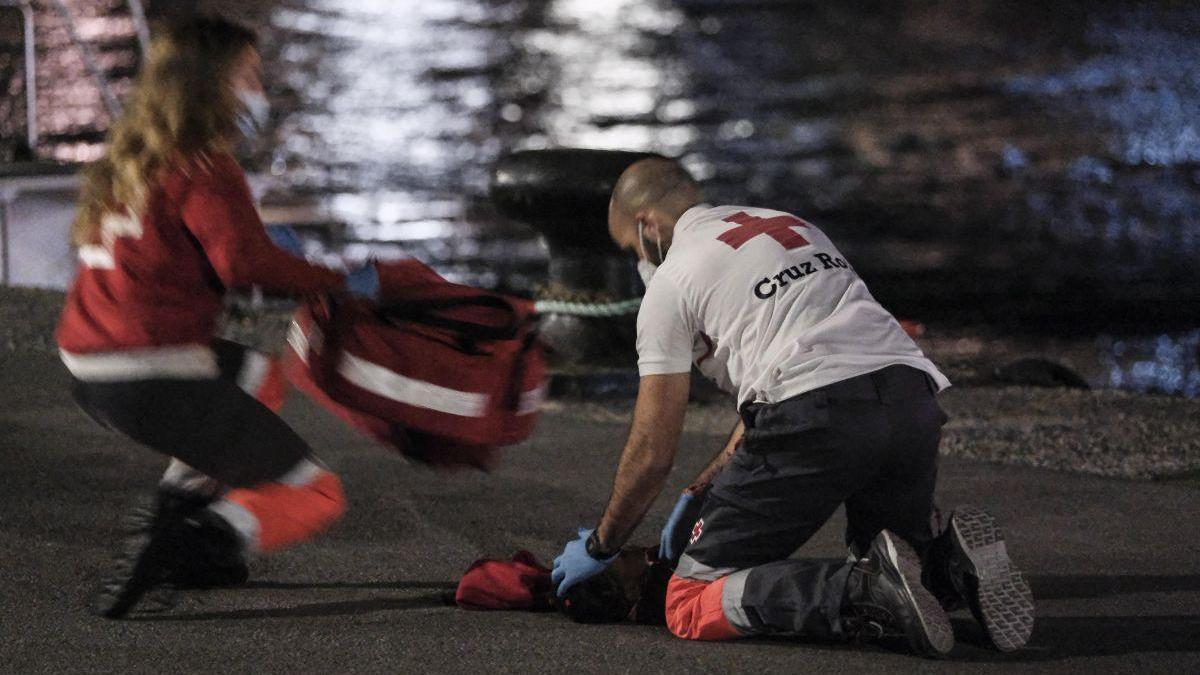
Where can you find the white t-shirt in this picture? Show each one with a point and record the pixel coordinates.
(765, 305)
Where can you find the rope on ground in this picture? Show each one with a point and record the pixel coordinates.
(597, 309)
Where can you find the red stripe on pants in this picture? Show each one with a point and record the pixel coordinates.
(694, 610)
(289, 514)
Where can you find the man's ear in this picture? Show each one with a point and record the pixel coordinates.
(658, 226)
(652, 225)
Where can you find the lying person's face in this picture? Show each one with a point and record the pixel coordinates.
(633, 588)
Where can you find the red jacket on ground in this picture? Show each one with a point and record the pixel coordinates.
(158, 281)
(521, 583)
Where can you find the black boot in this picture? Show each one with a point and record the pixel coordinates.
(968, 566)
(885, 599)
(217, 558)
(149, 549)
(176, 542)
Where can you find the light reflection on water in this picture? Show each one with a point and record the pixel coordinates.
(1061, 137)
(1165, 363)
(1014, 155)
(394, 118)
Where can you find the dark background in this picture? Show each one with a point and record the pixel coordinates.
(1033, 167)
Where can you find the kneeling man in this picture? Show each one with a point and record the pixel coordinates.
(837, 406)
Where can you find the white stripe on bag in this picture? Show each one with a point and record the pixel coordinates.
(379, 380)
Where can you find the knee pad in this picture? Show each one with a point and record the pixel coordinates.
(695, 612)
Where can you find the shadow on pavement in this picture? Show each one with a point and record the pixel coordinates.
(1055, 637)
(381, 585)
(1066, 586)
(345, 607)
(1062, 637)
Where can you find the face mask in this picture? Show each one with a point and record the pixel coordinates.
(253, 113)
(645, 268)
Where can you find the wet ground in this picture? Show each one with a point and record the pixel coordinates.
(1112, 562)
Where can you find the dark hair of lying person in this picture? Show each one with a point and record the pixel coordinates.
(652, 605)
(607, 598)
(601, 599)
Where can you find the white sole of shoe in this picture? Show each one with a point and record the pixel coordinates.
(1003, 601)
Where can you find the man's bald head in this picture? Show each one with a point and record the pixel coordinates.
(655, 191)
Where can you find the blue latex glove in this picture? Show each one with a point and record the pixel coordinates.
(678, 530)
(286, 238)
(364, 282)
(574, 565)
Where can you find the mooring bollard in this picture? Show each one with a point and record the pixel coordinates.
(590, 300)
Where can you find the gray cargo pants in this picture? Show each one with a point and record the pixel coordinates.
(871, 443)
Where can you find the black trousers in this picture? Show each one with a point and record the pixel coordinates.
(870, 443)
(211, 425)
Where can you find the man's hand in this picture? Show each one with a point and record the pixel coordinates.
(574, 565)
(678, 530)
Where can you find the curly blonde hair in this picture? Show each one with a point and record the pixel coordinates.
(181, 107)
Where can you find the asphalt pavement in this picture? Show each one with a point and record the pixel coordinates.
(1115, 564)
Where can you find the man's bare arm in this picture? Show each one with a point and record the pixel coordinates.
(706, 476)
(648, 455)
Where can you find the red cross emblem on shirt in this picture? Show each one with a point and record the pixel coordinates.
(778, 228)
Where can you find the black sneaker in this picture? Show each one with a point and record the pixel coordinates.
(885, 599)
(969, 565)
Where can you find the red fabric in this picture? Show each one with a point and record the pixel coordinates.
(520, 583)
(499, 379)
(694, 610)
(273, 390)
(289, 514)
(439, 453)
(201, 236)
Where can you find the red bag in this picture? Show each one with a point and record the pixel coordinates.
(438, 453)
(440, 360)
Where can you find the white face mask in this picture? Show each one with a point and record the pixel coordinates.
(645, 268)
(253, 114)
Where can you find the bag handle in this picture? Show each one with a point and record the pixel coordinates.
(427, 312)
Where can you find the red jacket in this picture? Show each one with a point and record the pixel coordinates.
(155, 286)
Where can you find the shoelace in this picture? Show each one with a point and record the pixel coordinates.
(869, 622)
